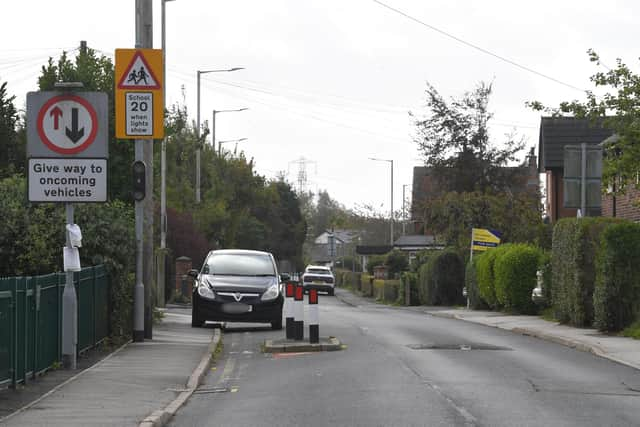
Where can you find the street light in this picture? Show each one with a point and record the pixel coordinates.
(163, 170)
(230, 140)
(391, 162)
(199, 73)
(213, 126)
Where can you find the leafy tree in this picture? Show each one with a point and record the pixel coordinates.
(454, 140)
(617, 110)
(12, 152)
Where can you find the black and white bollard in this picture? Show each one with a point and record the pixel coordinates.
(288, 307)
(314, 317)
(298, 313)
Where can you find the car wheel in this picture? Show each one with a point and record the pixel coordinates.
(331, 292)
(276, 324)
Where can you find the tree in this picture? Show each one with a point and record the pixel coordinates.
(12, 152)
(454, 140)
(618, 109)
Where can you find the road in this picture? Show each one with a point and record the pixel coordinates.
(402, 367)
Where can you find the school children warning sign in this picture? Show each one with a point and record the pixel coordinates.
(138, 94)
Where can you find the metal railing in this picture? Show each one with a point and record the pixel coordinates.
(31, 320)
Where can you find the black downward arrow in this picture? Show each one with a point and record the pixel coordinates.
(74, 134)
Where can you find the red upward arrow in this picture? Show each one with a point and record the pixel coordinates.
(56, 113)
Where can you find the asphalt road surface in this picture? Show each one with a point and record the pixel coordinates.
(402, 367)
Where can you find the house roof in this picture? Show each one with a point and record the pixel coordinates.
(341, 236)
(556, 132)
(415, 241)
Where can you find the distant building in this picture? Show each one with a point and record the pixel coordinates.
(333, 245)
(555, 133)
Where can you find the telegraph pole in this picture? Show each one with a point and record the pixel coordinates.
(144, 209)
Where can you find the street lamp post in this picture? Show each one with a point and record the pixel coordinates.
(213, 126)
(199, 73)
(390, 162)
(163, 174)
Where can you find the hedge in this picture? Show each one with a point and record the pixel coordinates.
(386, 290)
(616, 297)
(486, 275)
(471, 283)
(575, 244)
(442, 279)
(366, 284)
(515, 272)
(414, 293)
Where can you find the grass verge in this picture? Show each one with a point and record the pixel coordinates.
(632, 331)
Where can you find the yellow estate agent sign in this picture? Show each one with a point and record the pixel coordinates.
(138, 93)
(484, 238)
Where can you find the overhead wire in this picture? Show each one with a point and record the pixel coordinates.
(476, 47)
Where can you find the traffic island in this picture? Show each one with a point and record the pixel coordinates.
(293, 346)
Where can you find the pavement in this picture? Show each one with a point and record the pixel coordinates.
(623, 350)
(140, 384)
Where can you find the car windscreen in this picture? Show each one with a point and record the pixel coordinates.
(318, 271)
(239, 265)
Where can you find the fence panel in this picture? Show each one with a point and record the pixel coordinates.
(101, 303)
(84, 281)
(6, 331)
(31, 320)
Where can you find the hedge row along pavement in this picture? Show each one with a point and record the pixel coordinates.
(441, 279)
(616, 296)
(515, 270)
(575, 245)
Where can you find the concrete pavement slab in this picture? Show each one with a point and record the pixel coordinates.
(124, 389)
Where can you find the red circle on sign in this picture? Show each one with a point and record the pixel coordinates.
(92, 114)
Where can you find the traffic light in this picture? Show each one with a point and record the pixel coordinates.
(139, 180)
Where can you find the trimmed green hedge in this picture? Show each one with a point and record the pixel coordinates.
(515, 271)
(616, 297)
(486, 275)
(414, 293)
(471, 282)
(573, 256)
(386, 290)
(442, 279)
(366, 284)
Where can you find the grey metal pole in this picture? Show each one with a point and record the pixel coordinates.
(198, 143)
(583, 186)
(404, 216)
(391, 237)
(144, 209)
(163, 176)
(69, 309)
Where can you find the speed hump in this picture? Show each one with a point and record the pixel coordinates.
(138, 94)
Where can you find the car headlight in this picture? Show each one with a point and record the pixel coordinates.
(206, 292)
(271, 293)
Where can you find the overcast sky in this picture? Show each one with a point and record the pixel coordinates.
(332, 81)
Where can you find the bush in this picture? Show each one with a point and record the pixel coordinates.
(573, 256)
(386, 290)
(366, 284)
(396, 262)
(411, 279)
(515, 276)
(616, 297)
(375, 261)
(545, 268)
(471, 283)
(485, 277)
(443, 279)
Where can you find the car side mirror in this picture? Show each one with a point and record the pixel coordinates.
(193, 273)
(284, 277)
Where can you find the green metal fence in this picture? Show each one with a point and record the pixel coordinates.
(31, 320)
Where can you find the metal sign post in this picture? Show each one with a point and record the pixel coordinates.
(67, 154)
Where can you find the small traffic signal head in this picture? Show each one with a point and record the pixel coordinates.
(139, 180)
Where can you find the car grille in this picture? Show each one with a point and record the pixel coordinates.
(243, 297)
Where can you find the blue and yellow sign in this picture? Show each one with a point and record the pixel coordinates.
(484, 238)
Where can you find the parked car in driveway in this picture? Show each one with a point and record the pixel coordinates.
(237, 286)
(318, 277)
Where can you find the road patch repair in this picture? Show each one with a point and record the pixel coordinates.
(292, 346)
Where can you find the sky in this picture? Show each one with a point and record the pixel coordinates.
(330, 83)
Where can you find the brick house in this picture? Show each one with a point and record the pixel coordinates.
(555, 133)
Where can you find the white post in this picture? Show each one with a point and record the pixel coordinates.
(69, 308)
